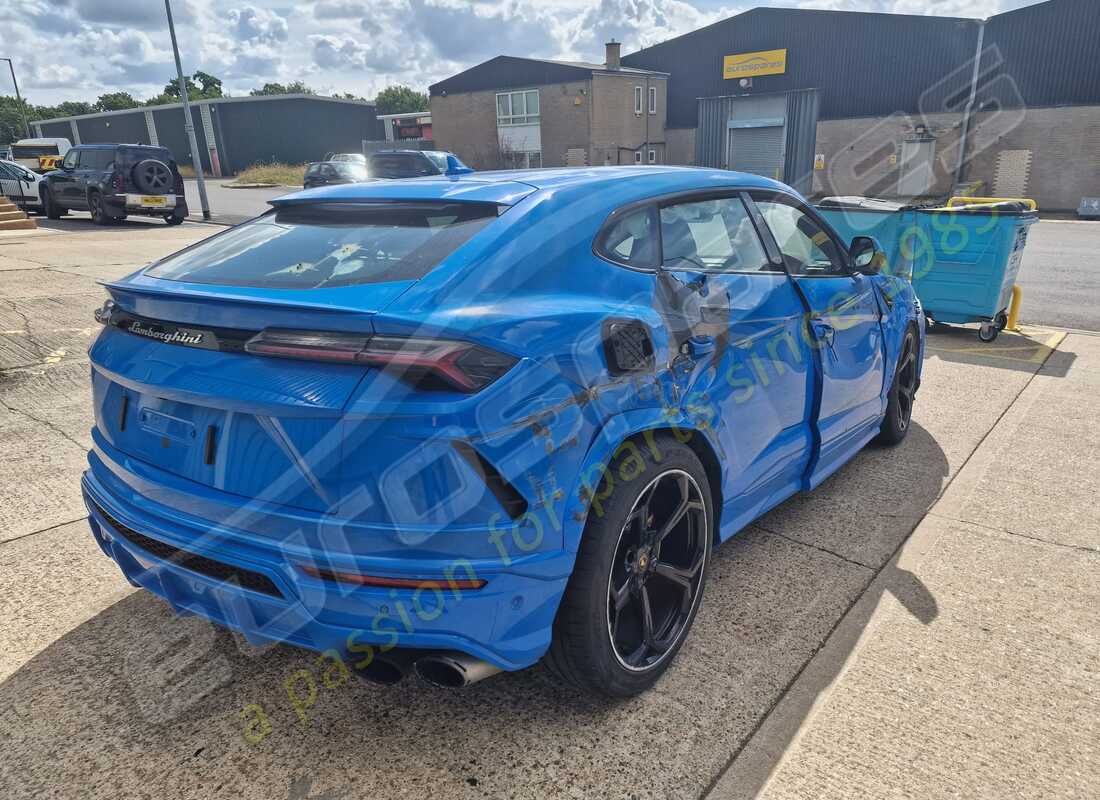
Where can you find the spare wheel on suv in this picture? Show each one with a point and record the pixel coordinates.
(153, 177)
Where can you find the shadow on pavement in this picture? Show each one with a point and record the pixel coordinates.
(1021, 351)
(78, 221)
(137, 700)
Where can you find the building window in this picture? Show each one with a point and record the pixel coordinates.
(518, 108)
(637, 156)
(652, 99)
(637, 99)
(652, 156)
(515, 159)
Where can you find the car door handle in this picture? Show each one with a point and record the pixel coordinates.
(824, 332)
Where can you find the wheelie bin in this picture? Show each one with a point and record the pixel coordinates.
(962, 257)
(965, 259)
(890, 222)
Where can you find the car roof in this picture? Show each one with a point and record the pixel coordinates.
(510, 186)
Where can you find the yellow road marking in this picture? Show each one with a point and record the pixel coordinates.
(1039, 350)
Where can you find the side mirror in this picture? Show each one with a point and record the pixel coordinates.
(456, 167)
(867, 255)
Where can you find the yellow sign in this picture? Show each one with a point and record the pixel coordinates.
(749, 65)
(819, 161)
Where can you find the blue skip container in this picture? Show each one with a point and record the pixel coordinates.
(963, 258)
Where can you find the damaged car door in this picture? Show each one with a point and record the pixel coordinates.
(737, 323)
(844, 321)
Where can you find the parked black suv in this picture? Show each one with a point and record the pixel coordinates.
(115, 180)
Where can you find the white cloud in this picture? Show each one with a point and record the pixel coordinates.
(356, 46)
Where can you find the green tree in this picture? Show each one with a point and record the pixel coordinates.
(400, 100)
(70, 108)
(115, 101)
(11, 120)
(209, 85)
(294, 87)
(203, 87)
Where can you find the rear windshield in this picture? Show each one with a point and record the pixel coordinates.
(132, 155)
(309, 247)
(33, 150)
(400, 165)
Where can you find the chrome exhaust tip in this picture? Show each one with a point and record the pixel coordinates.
(453, 670)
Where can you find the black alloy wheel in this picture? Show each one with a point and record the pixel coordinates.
(899, 408)
(97, 209)
(657, 571)
(640, 570)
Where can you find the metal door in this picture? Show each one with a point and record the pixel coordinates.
(917, 176)
(756, 150)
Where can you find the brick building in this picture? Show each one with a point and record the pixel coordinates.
(832, 102)
(522, 112)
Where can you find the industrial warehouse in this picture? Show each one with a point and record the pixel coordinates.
(832, 102)
(233, 132)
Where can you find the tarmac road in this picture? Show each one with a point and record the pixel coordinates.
(1060, 275)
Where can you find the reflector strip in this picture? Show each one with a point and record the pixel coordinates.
(392, 583)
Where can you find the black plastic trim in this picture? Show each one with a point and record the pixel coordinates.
(217, 570)
(514, 503)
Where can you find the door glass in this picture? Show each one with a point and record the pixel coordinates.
(711, 235)
(72, 159)
(632, 240)
(806, 247)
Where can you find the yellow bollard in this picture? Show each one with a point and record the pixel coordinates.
(1014, 308)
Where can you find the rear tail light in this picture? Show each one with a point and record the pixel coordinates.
(178, 189)
(118, 182)
(429, 363)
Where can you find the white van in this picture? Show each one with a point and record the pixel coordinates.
(40, 155)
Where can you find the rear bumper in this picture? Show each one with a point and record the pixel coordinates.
(255, 584)
(131, 204)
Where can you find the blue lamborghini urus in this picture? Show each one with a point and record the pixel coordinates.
(458, 424)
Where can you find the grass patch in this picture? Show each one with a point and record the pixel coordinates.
(285, 174)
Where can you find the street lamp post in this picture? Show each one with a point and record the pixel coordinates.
(188, 124)
(18, 99)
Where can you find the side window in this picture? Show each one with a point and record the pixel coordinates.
(712, 235)
(807, 249)
(72, 159)
(96, 159)
(631, 239)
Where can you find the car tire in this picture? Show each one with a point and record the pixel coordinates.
(173, 219)
(599, 641)
(152, 176)
(97, 209)
(49, 207)
(903, 390)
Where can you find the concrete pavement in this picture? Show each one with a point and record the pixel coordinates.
(825, 623)
(969, 667)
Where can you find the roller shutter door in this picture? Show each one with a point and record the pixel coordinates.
(758, 151)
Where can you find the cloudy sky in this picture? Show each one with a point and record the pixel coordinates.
(78, 49)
